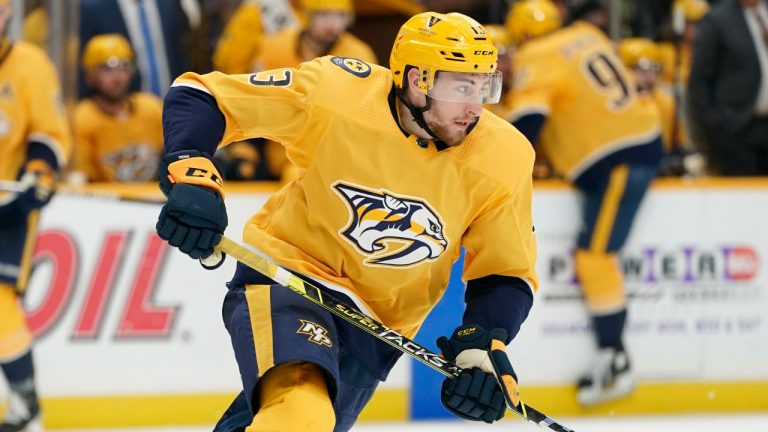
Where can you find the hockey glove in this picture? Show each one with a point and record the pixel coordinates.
(40, 180)
(487, 383)
(194, 218)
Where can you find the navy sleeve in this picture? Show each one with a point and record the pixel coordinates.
(191, 121)
(498, 302)
(530, 125)
(39, 150)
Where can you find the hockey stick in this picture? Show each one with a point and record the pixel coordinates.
(360, 320)
(20, 187)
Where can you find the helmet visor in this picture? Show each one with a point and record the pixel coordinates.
(462, 87)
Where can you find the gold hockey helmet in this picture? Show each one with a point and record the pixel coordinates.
(640, 53)
(310, 6)
(453, 42)
(531, 19)
(109, 49)
(692, 10)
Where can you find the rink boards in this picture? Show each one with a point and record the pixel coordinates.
(130, 332)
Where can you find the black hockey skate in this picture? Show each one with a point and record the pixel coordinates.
(23, 414)
(610, 378)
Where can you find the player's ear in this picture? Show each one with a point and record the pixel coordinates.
(412, 89)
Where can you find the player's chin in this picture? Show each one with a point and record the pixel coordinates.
(454, 138)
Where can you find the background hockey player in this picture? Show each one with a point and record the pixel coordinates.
(118, 132)
(573, 91)
(34, 146)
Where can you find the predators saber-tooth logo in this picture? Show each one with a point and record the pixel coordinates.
(391, 230)
(317, 333)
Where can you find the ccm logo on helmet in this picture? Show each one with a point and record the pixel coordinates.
(482, 52)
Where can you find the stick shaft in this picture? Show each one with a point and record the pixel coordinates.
(19, 187)
(369, 325)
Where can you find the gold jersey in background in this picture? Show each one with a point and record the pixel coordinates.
(376, 212)
(281, 50)
(574, 78)
(123, 148)
(30, 107)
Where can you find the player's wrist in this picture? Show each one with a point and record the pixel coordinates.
(190, 167)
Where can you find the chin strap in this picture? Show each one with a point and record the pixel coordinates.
(418, 113)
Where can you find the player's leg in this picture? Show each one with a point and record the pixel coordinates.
(17, 235)
(237, 416)
(355, 390)
(293, 397)
(287, 352)
(609, 211)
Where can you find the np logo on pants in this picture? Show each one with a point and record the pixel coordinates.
(317, 333)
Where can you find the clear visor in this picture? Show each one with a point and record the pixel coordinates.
(471, 88)
(645, 64)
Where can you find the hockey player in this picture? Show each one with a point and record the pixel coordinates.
(573, 91)
(240, 41)
(400, 168)
(324, 32)
(118, 133)
(34, 145)
(642, 58)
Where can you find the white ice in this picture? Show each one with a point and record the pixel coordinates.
(688, 423)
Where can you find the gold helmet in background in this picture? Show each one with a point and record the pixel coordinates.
(640, 53)
(109, 49)
(499, 35)
(310, 6)
(529, 19)
(692, 10)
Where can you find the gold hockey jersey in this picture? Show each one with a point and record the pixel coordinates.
(30, 107)
(374, 213)
(119, 149)
(575, 79)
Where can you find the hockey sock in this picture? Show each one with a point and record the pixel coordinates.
(609, 329)
(15, 338)
(601, 281)
(20, 373)
(294, 398)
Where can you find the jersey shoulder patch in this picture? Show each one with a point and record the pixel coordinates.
(354, 66)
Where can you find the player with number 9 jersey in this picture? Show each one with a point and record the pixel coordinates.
(572, 92)
(574, 79)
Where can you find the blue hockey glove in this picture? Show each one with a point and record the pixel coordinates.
(194, 218)
(487, 383)
(40, 179)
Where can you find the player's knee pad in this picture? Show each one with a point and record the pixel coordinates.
(293, 397)
(15, 338)
(601, 281)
